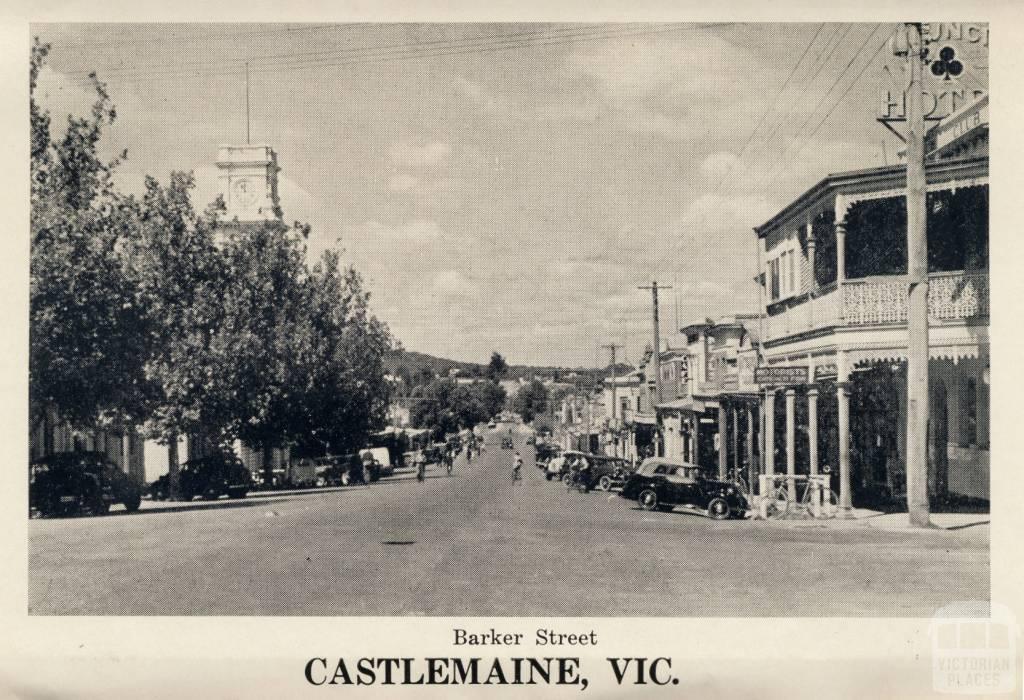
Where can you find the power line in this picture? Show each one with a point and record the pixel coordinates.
(780, 161)
(764, 115)
(296, 56)
(171, 38)
(501, 45)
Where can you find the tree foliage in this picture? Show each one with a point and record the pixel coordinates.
(497, 367)
(86, 345)
(143, 308)
(531, 400)
(443, 406)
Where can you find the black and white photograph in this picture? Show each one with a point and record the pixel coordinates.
(636, 319)
(508, 319)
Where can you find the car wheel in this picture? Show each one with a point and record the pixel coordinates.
(605, 484)
(237, 493)
(718, 509)
(648, 499)
(321, 482)
(548, 477)
(346, 479)
(132, 502)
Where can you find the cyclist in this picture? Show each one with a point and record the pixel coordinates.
(449, 459)
(517, 466)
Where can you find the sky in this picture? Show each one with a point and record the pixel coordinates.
(507, 186)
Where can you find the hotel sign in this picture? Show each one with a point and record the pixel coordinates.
(942, 96)
(775, 376)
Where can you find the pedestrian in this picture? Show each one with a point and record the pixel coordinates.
(421, 467)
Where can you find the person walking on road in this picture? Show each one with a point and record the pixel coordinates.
(517, 466)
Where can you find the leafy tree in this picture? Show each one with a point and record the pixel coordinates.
(262, 333)
(435, 408)
(492, 397)
(179, 279)
(86, 348)
(497, 367)
(530, 400)
(342, 352)
(446, 407)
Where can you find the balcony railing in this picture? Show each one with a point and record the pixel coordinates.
(819, 311)
(952, 296)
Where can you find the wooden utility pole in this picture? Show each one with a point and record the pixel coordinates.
(656, 357)
(917, 273)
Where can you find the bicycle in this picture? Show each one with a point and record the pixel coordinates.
(808, 503)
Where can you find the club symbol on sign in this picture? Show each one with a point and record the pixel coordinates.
(947, 66)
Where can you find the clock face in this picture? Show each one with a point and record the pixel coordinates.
(245, 192)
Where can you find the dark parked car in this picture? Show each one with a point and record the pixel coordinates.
(71, 483)
(661, 484)
(210, 477)
(340, 470)
(544, 453)
(608, 472)
(506, 443)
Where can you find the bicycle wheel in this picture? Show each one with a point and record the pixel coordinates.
(778, 504)
(829, 505)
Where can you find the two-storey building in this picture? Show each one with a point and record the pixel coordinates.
(834, 264)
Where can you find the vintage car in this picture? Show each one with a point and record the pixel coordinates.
(602, 471)
(338, 470)
(209, 477)
(544, 453)
(376, 462)
(506, 443)
(569, 464)
(72, 483)
(609, 472)
(662, 484)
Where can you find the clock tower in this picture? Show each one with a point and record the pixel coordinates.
(248, 183)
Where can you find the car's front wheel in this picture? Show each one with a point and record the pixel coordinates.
(719, 509)
(605, 484)
(237, 493)
(648, 499)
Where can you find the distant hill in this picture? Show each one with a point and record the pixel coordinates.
(419, 366)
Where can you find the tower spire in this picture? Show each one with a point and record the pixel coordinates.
(247, 141)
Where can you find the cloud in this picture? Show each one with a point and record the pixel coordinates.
(431, 154)
(63, 95)
(717, 165)
(454, 283)
(402, 182)
(487, 101)
(417, 231)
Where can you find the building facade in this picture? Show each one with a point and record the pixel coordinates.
(835, 294)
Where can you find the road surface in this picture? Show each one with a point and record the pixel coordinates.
(478, 544)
